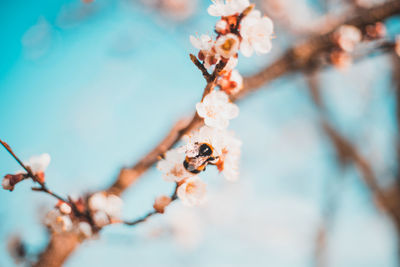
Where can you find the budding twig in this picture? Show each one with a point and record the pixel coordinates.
(43, 187)
(153, 212)
(201, 67)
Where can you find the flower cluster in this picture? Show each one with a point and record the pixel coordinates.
(241, 28)
(37, 164)
(347, 37)
(62, 219)
(104, 208)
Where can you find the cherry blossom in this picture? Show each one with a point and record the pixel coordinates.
(256, 32)
(231, 83)
(104, 208)
(229, 160)
(227, 45)
(39, 163)
(222, 26)
(192, 191)
(84, 229)
(6, 184)
(348, 37)
(221, 8)
(217, 110)
(172, 166)
(207, 135)
(58, 222)
(204, 42)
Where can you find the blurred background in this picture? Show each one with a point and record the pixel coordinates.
(97, 84)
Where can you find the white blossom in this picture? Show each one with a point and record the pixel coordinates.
(205, 135)
(113, 206)
(217, 110)
(231, 64)
(222, 26)
(348, 37)
(256, 32)
(192, 191)
(100, 218)
(230, 157)
(221, 8)
(39, 163)
(104, 207)
(6, 184)
(98, 201)
(58, 222)
(232, 82)
(65, 208)
(227, 45)
(204, 42)
(84, 229)
(172, 166)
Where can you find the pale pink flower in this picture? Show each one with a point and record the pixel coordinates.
(227, 45)
(231, 82)
(65, 208)
(100, 218)
(222, 26)
(6, 184)
(204, 42)
(231, 64)
(104, 207)
(192, 191)
(58, 222)
(205, 135)
(84, 229)
(217, 110)
(230, 157)
(39, 163)
(348, 37)
(256, 32)
(172, 166)
(221, 8)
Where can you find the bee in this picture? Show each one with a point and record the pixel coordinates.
(203, 155)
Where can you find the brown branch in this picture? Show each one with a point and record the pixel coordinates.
(201, 67)
(301, 57)
(153, 212)
(348, 153)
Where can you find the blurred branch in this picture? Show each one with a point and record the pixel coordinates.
(347, 153)
(303, 56)
(306, 55)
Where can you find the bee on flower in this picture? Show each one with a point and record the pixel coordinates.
(172, 166)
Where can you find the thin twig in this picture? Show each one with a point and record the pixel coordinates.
(153, 212)
(43, 187)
